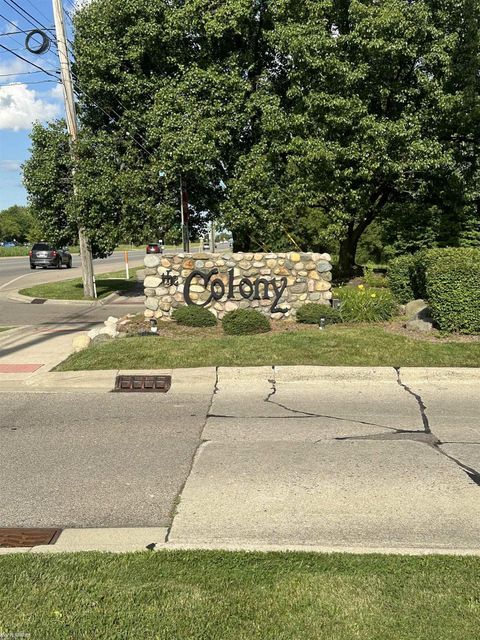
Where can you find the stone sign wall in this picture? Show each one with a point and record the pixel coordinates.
(275, 283)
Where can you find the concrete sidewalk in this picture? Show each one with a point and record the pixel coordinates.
(310, 458)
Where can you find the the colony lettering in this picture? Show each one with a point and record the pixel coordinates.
(256, 290)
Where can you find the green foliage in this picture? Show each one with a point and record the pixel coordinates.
(48, 179)
(291, 123)
(400, 277)
(452, 278)
(311, 313)
(374, 279)
(194, 316)
(245, 321)
(16, 223)
(361, 304)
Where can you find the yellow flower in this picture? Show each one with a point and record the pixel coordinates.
(361, 286)
(373, 295)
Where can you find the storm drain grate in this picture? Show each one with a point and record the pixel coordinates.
(160, 384)
(28, 537)
(38, 301)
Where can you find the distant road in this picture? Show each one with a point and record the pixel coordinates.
(15, 273)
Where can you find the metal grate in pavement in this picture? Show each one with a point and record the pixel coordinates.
(38, 301)
(13, 537)
(160, 384)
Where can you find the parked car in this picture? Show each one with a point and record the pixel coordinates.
(154, 247)
(45, 255)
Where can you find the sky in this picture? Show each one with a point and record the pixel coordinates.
(26, 93)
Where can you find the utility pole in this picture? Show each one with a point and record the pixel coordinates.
(212, 236)
(72, 126)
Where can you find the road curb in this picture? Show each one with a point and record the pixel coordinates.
(19, 297)
(134, 539)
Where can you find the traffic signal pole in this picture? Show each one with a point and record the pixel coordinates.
(72, 127)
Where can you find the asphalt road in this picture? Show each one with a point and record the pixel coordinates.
(15, 273)
(312, 457)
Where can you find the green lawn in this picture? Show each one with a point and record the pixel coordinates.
(364, 345)
(73, 289)
(238, 596)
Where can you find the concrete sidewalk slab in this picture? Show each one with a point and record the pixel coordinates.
(447, 394)
(369, 494)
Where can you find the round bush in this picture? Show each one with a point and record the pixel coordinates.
(245, 321)
(311, 313)
(191, 316)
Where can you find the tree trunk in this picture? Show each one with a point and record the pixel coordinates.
(87, 264)
(347, 254)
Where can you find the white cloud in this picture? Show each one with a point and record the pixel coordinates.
(9, 165)
(20, 107)
(57, 92)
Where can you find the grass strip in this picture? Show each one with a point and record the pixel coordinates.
(106, 283)
(239, 596)
(337, 345)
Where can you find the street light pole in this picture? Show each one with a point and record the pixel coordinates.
(72, 127)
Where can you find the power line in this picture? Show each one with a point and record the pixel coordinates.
(18, 84)
(27, 16)
(17, 55)
(21, 73)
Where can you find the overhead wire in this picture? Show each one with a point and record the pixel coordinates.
(24, 13)
(17, 55)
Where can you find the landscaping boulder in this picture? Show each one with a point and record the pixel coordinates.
(102, 337)
(421, 326)
(414, 308)
(81, 342)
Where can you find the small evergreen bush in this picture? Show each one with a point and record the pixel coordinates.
(311, 313)
(361, 304)
(245, 321)
(191, 316)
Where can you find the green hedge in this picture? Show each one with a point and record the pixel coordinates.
(192, 316)
(400, 271)
(452, 283)
(245, 321)
(311, 313)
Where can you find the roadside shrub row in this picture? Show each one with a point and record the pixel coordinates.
(449, 279)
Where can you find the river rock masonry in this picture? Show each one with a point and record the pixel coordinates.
(276, 284)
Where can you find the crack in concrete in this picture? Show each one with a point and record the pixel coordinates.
(421, 405)
(423, 437)
(305, 414)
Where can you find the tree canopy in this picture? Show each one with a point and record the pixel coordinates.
(294, 122)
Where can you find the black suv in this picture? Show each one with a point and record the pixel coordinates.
(44, 255)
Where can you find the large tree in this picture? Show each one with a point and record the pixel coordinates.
(295, 122)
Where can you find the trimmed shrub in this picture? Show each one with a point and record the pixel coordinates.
(191, 316)
(311, 313)
(400, 277)
(245, 321)
(360, 304)
(452, 281)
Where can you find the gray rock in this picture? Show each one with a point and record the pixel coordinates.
(421, 326)
(413, 308)
(151, 260)
(323, 266)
